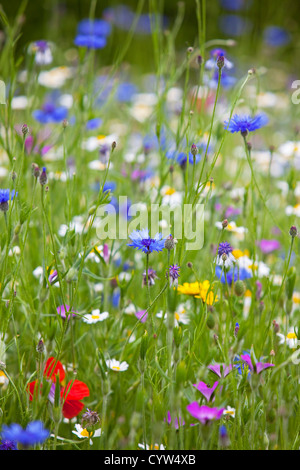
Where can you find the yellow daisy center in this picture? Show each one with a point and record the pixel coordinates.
(291, 336)
(170, 191)
(85, 433)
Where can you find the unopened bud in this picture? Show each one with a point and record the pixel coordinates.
(224, 223)
(220, 62)
(293, 231)
(43, 177)
(25, 129)
(239, 288)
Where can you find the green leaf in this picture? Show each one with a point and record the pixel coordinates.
(2, 92)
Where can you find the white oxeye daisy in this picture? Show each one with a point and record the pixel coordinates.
(117, 366)
(229, 412)
(3, 380)
(290, 339)
(82, 433)
(95, 316)
(151, 447)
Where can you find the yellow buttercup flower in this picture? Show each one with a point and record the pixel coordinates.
(199, 290)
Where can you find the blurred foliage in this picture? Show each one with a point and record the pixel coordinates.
(56, 20)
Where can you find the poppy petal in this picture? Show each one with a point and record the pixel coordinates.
(75, 390)
(72, 408)
(53, 368)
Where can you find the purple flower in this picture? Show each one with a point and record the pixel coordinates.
(173, 274)
(204, 413)
(216, 369)
(177, 422)
(225, 256)
(6, 444)
(224, 248)
(257, 367)
(206, 391)
(142, 315)
(267, 246)
(151, 277)
(53, 277)
(62, 309)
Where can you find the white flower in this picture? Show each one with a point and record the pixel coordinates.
(180, 315)
(55, 78)
(170, 196)
(152, 447)
(232, 227)
(19, 102)
(3, 380)
(226, 260)
(82, 433)
(113, 364)
(95, 316)
(130, 309)
(290, 339)
(229, 411)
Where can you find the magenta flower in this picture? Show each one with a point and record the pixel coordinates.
(204, 413)
(257, 367)
(267, 246)
(205, 390)
(63, 309)
(216, 369)
(141, 315)
(177, 422)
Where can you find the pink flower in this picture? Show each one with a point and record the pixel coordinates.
(205, 390)
(216, 369)
(257, 367)
(141, 315)
(62, 309)
(267, 246)
(204, 413)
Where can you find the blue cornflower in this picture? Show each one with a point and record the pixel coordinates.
(234, 25)
(275, 36)
(95, 27)
(245, 124)
(232, 275)
(227, 81)
(5, 196)
(35, 433)
(50, 113)
(93, 124)
(211, 63)
(233, 5)
(142, 241)
(8, 445)
(125, 92)
(92, 33)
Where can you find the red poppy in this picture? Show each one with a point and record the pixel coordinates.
(51, 370)
(71, 395)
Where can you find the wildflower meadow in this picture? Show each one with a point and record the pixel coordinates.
(149, 240)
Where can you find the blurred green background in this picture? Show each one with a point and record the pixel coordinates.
(56, 20)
